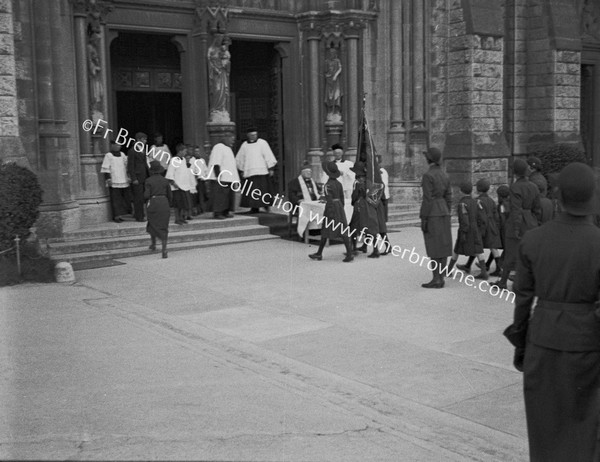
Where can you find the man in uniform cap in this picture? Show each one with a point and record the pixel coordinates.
(558, 347)
(536, 176)
(524, 215)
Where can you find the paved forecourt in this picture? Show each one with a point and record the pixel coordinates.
(254, 352)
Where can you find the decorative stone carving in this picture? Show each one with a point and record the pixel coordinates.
(219, 66)
(333, 88)
(212, 16)
(591, 18)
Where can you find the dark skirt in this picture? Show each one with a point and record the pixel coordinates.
(562, 404)
(365, 216)
(181, 199)
(438, 238)
(335, 216)
(264, 184)
(159, 213)
(223, 197)
(470, 244)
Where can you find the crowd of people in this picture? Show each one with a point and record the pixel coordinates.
(136, 189)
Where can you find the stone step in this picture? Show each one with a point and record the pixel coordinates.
(184, 234)
(133, 228)
(98, 255)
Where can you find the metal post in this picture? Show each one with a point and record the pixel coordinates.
(17, 240)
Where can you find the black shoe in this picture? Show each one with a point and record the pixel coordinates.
(218, 217)
(349, 257)
(118, 220)
(165, 254)
(364, 248)
(316, 256)
(141, 220)
(497, 273)
(152, 247)
(498, 284)
(433, 284)
(229, 215)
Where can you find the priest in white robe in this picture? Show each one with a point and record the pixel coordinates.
(256, 161)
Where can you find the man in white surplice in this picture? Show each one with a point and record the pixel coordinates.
(256, 161)
(347, 176)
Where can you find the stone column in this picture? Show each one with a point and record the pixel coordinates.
(315, 154)
(59, 164)
(83, 94)
(399, 171)
(353, 99)
(187, 91)
(199, 90)
(418, 132)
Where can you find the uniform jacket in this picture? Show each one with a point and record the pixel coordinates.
(488, 222)
(525, 209)
(468, 240)
(437, 194)
(560, 264)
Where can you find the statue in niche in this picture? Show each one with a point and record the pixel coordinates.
(95, 64)
(591, 18)
(219, 66)
(333, 88)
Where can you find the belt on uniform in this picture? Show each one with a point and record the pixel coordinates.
(565, 306)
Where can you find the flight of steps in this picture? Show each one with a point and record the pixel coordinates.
(118, 240)
(402, 216)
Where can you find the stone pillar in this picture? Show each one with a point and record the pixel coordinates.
(199, 87)
(314, 153)
(353, 99)
(475, 144)
(11, 148)
(418, 132)
(59, 164)
(81, 65)
(91, 52)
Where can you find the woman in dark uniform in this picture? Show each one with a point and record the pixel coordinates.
(558, 341)
(335, 225)
(158, 195)
(435, 216)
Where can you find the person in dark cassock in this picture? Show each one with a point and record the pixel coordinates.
(137, 169)
(524, 215)
(435, 216)
(364, 215)
(558, 342)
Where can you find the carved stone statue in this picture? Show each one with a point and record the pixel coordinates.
(333, 89)
(219, 66)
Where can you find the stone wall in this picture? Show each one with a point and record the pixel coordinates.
(552, 84)
(11, 148)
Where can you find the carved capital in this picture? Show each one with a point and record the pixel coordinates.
(212, 16)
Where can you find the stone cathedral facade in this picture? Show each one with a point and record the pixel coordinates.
(483, 80)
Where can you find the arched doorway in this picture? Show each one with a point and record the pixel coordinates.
(146, 82)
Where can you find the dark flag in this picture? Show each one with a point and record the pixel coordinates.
(368, 155)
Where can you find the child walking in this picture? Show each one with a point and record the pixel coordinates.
(335, 223)
(488, 223)
(468, 240)
(179, 176)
